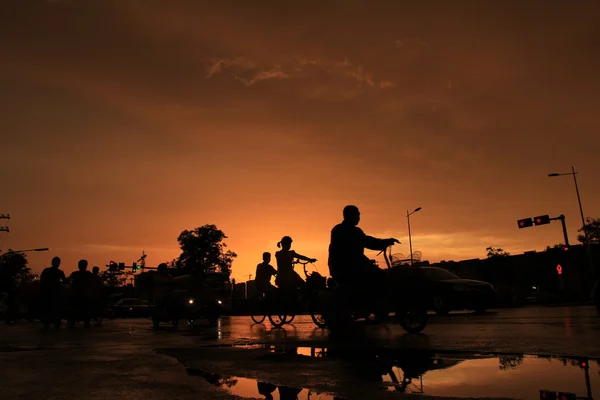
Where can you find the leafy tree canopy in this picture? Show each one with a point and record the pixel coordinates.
(11, 266)
(592, 228)
(203, 249)
(493, 252)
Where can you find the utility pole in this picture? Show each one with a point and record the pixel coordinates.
(142, 260)
(561, 218)
(4, 228)
(246, 285)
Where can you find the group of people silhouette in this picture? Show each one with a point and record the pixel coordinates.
(347, 265)
(83, 284)
(347, 261)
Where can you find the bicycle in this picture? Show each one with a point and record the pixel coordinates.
(288, 304)
(260, 305)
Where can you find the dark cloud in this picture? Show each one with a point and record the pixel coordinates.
(461, 107)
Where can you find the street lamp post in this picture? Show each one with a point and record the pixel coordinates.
(408, 214)
(585, 234)
(574, 174)
(24, 251)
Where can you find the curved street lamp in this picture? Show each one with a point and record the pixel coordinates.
(585, 234)
(408, 214)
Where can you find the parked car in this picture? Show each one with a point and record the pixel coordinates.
(131, 308)
(447, 291)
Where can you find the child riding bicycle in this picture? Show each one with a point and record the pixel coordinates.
(288, 279)
(264, 272)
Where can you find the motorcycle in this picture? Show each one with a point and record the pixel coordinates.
(341, 305)
(182, 305)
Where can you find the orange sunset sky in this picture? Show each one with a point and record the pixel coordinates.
(124, 122)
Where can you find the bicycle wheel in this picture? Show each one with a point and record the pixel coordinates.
(257, 309)
(290, 318)
(277, 320)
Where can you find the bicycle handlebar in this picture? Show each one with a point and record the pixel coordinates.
(304, 264)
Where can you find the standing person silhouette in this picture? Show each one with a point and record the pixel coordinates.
(286, 276)
(82, 284)
(51, 281)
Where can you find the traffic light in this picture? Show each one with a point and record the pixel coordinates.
(525, 223)
(583, 364)
(547, 395)
(566, 396)
(112, 266)
(134, 267)
(541, 220)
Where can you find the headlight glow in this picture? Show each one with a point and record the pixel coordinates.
(191, 301)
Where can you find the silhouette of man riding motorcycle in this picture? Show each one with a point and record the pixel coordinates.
(359, 288)
(348, 264)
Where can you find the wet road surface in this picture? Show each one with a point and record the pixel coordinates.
(452, 358)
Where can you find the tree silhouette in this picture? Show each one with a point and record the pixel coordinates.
(11, 266)
(557, 246)
(496, 252)
(592, 228)
(113, 279)
(203, 249)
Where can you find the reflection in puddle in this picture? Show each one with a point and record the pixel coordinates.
(459, 375)
(520, 377)
(251, 388)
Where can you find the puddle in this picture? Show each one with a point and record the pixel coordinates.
(459, 375)
(300, 351)
(519, 377)
(251, 388)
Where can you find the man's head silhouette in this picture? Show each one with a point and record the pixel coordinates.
(82, 265)
(267, 257)
(96, 270)
(351, 215)
(162, 268)
(56, 262)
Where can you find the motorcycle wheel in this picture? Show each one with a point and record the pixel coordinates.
(316, 314)
(412, 320)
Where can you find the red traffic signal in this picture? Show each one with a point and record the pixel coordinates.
(541, 220)
(112, 266)
(583, 364)
(566, 396)
(525, 223)
(547, 395)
